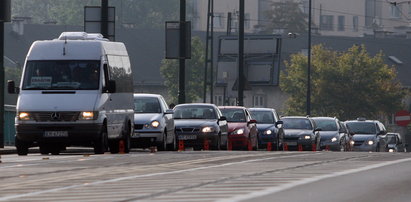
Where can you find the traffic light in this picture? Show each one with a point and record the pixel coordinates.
(5, 10)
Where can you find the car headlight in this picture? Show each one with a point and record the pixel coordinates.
(268, 132)
(307, 137)
(86, 115)
(391, 150)
(207, 130)
(352, 142)
(155, 124)
(23, 116)
(334, 139)
(370, 142)
(239, 131)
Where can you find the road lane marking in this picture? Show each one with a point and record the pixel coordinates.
(273, 190)
(5, 198)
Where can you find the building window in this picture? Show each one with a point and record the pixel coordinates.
(395, 11)
(341, 23)
(355, 23)
(219, 100)
(258, 101)
(218, 20)
(326, 22)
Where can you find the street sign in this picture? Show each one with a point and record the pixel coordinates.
(402, 118)
(92, 20)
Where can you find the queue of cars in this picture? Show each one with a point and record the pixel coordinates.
(240, 128)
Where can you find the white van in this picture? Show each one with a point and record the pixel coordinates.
(75, 90)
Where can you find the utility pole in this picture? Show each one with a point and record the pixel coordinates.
(241, 55)
(5, 9)
(182, 65)
(309, 62)
(104, 18)
(209, 52)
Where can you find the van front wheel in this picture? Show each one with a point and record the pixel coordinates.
(21, 147)
(100, 144)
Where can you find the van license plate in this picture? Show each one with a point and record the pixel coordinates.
(187, 137)
(55, 134)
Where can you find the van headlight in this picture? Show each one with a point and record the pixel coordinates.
(23, 116)
(370, 142)
(207, 130)
(88, 116)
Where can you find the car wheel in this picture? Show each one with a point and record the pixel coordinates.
(218, 145)
(173, 145)
(163, 144)
(21, 147)
(100, 144)
(44, 149)
(257, 147)
(377, 149)
(342, 146)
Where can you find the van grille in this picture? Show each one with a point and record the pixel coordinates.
(55, 116)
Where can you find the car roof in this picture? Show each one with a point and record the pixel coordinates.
(295, 117)
(146, 95)
(197, 104)
(260, 109)
(324, 118)
(231, 107)
(364, 121)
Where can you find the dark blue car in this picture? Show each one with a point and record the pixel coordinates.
(269, 127)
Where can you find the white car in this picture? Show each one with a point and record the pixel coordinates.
(153, 122)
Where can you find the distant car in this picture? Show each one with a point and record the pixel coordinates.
(197, 123)
(395, 143)
(242, 129)
(300, 130)
(269, 127)
(368, 135)
(333, 134)
(153, 122)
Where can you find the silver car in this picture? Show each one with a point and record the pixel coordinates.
(368, 135)
(153, 122)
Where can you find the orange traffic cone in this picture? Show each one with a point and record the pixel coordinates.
(121, 148)
(300, 147)
(181, 145)
(250, 146)
(314, 147)
(230, 145)
(269, 146)
(327, 148)
(285, 146)
(206, 145)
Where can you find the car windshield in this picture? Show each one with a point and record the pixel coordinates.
(146, 105)
(392, 139)
(194, 112)
(234, 115)
(61, 75)
(297, 123)
(326, 124)
(263, 116)
(362, 127)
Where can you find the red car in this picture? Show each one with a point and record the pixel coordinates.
(242, 129)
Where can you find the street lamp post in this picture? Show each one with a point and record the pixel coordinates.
(309, 61)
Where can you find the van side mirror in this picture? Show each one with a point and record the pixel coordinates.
(11, 87)
(279, 124)
(111, 86)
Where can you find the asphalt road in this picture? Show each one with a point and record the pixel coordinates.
(206, 176)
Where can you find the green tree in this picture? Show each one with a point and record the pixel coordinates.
(344, 84)
(286, 15)
(194, 73)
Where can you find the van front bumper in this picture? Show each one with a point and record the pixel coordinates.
(73, 133)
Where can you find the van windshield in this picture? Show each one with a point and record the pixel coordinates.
(62, 75)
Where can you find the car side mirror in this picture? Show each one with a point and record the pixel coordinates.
(318, 129)
(223, 118)
(279, 124)
(169, 111)
(11, 87)
(252, 121)
(111, 86)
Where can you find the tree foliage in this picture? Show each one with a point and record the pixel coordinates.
(194, 74)
(140, 13)
(347, 84)
(286, 15)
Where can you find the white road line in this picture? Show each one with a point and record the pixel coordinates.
(272, 190)
(5, 198)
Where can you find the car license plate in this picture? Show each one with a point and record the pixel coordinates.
(292, 143)
(187, 137)
(55, 134)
